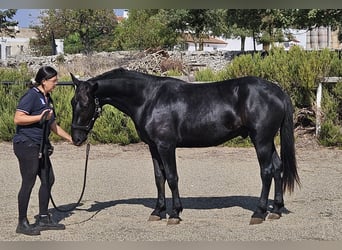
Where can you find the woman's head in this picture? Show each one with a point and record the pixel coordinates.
(45, 73)
(45, 77)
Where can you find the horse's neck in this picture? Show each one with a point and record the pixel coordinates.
(126, 96)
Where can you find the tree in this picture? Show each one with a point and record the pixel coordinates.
(270, 25)
(243, 23)
(198, 23)
(7, 25)
(163, 27)
(143, 29)
(83, 30)
(312, 18)
(266, 25)
(273, 24)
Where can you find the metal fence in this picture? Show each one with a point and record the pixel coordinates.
(8, 83)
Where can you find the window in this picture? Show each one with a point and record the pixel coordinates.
(8, 51)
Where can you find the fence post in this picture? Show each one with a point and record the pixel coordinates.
(318, 109)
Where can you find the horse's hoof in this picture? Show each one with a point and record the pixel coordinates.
(273, 216)
(173, 221)
(154, 218)
(255, 221)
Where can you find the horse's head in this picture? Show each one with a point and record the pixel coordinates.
(85, 109)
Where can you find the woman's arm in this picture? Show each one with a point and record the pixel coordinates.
(21, 118)
(60, 132)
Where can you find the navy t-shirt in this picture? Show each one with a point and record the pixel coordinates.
(33, 102)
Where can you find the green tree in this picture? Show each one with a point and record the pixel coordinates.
(198, 23)
(84, 30)
(143, 29)
(243, 23)
(312, 18)
(270, 25)
(7, 25)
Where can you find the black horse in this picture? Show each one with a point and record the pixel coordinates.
(170, 113)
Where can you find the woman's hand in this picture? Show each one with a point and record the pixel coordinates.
(47, 116)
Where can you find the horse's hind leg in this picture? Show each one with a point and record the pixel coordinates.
(264, 153)
(278, 191)
(160, 179)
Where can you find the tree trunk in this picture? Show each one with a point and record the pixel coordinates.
(254, 46)
(243, 39)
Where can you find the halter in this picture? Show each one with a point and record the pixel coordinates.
(90, 124)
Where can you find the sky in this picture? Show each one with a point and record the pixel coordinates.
(28, 17)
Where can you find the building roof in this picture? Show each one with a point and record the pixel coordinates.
(26, 33)
(187, 38)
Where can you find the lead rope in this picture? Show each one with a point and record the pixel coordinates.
(43, 152)
(83, 188)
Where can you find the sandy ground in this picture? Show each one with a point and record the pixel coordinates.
(219, 187)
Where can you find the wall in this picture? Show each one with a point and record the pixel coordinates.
(193, 60)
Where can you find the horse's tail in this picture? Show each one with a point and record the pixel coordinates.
(287, 151)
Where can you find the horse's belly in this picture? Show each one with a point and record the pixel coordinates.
(207, 137)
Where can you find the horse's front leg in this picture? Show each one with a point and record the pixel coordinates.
(168, 157)
(160, 179)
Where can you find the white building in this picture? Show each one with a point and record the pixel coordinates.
(10, 46)
(20, 45)
(234, 44)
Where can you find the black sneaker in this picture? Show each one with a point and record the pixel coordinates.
(24, 227)
(45, 222)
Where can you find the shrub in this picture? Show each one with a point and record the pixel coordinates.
(10, 94)
(114, 126)
(331, 127)
(205, 75)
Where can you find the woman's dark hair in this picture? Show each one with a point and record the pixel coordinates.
(44, 73)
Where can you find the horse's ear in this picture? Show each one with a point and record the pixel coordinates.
(74, 80)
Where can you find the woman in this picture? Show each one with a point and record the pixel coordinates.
(26, 145)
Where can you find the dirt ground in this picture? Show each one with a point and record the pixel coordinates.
(219, 187)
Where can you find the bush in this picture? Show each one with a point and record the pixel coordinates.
(331, 127)
(62, 103)
(10, 94)
(114, 127)
(205, 75)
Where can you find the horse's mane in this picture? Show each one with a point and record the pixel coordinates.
(125, 73)
(120, 72)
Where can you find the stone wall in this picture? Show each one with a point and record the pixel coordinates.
(101, 62)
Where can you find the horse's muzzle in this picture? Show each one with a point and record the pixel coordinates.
(78, 141)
